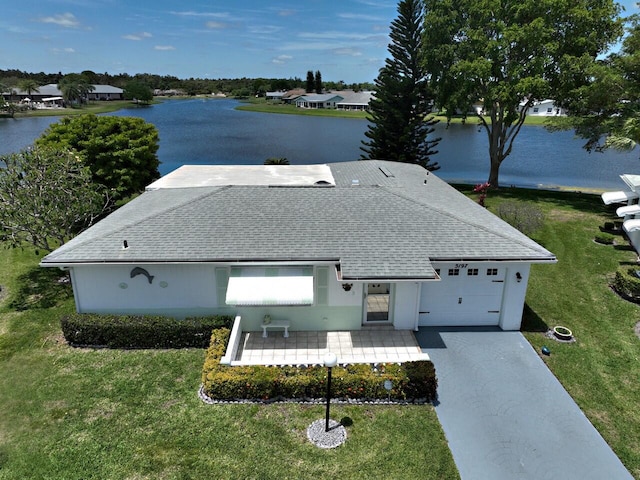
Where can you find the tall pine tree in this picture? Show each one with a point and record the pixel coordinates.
(311, 84)
(318, 82)
(399, 125)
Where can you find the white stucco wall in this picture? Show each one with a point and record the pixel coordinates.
(514, 296)
(108, 288)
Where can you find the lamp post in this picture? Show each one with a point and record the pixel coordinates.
(330, 361)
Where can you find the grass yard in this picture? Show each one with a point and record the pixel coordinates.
(94, 107)
(78, 413)
(263, 106)
(107, 414)
(601, 371)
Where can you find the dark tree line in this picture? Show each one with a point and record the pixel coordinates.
(190, 86)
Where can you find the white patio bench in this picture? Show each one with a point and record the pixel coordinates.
(276, 324)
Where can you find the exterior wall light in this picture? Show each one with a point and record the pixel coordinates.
(518, 277)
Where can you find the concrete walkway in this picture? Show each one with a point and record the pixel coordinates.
(506, 416)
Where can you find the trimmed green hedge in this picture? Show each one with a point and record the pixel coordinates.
(411, 380)
(139, 331)
(627, 284)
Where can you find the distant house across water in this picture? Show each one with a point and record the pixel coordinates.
(51, 90)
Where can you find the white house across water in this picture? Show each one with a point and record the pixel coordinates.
(317, 247)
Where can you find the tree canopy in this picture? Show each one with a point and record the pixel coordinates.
(138, 91)
(311, 82)
(606, 111)
(120, 151)
(510, 54)
(46, 197)
(75, 88)
(398, 128)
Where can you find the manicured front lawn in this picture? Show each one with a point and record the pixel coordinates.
(110, 414)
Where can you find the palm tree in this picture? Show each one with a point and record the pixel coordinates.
(75, 88)
(85, 88)
(70, 91)
(29, 86)
(627, 137)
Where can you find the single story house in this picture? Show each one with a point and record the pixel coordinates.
(315, 100)
(546, 108)
(51, 90)
(274, 95)
(290, 96)
(355, 101)
(332, 247)
(106, 92)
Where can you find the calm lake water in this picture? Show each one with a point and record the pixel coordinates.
(211, 132)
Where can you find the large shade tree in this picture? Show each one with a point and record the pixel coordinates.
(120, 151)
(510, 54)
(47, 196)
(399, 125)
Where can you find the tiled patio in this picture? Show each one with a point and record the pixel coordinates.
(369, 345)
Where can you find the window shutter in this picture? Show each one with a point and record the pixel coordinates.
(322, 285)
(222, 280)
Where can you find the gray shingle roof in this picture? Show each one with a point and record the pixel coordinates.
(391, 225)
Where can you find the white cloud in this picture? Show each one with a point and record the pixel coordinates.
(350, 52)
(281, 59)
(137, 36)
(63, 50)
(335, 35)
(214, 25)
(286, 13)
(361, 16)
(201, 14)
(164, 47)
(264, 29)
(67, 20)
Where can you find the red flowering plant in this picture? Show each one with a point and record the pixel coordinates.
(482, 189)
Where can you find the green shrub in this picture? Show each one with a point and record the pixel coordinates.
(604, 238)
(627, 283)
(140, 331)
(410, 381)
(524, 216)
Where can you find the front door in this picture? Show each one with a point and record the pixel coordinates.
(377, 299)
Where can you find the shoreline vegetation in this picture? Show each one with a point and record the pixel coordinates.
(260, 105)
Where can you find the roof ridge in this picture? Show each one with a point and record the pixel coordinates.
(467, 222)
(146, 219)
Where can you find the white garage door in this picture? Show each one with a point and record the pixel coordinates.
(465, 295)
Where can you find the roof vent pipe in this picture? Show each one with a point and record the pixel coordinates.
(125, 244)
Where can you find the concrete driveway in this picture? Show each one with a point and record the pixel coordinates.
(506, 416)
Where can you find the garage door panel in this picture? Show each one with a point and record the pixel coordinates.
(453, 319)
(462, 300)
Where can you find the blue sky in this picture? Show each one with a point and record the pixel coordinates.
(345, 40)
